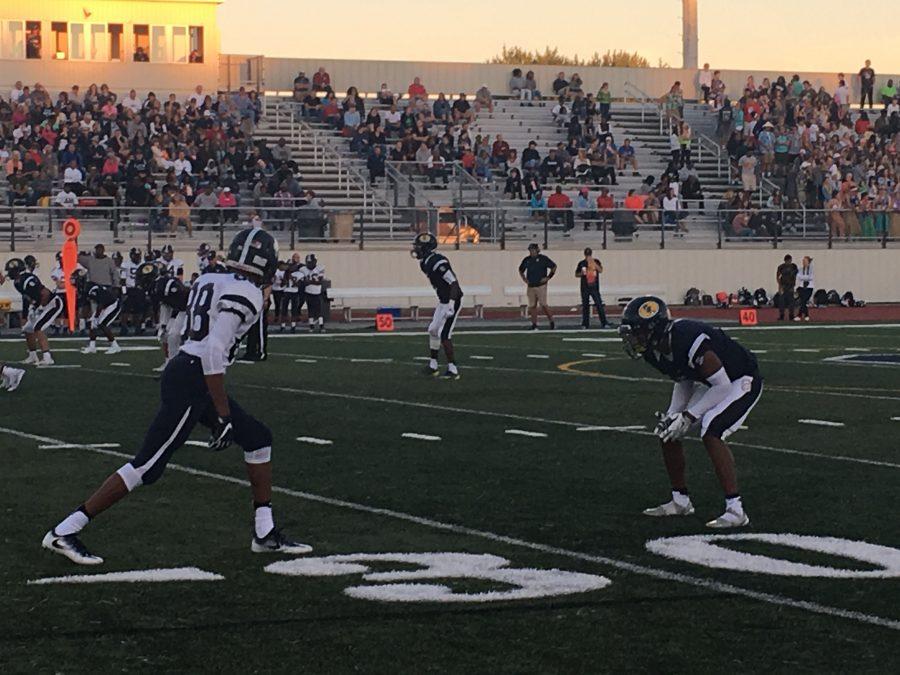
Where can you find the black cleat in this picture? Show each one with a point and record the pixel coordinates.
(276, 542)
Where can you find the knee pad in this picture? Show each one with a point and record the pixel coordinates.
(130, 476)
(434, 341)
(261, 456)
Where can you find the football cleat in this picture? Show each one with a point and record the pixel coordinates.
(32, 359)
(114, 348)
(48, 361)
(729, 519)
(276, 542)
(12, 377)
(670, 508)
(430, 372)
(161, 368)
(90, 349)
(71, 547)
(450, 376)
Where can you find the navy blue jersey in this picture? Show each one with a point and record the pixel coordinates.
(437, 268)
(29, 286)
(171, 292)
(689, 340)
(102, 295)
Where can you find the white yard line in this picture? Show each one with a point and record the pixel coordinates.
(806, 351)
(642, 570)
(609, 339)
(419, 437)
(822, 423)
(522, 432)
(136, 576)
(197, 444)
(120, 365)
(305, 361)
(476, 357)
(70, 446)
(537, 356)
(895, 419)
(314, 441)
(633, 427)
(371, 360)
(595, 356)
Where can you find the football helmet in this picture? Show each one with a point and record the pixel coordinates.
(644, 324)
(254, 252)
(168, 252)
(311, 261)
(135, 255)
(117, 258)
(203, 250)
(146, 275)
(14, 267)
(423, 245)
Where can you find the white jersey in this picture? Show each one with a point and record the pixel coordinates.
(221, 309)
(59, 280)
(294, 280)
(202, 263)
(313, 279)
(278, 283)
(128, 272)
(175, 266)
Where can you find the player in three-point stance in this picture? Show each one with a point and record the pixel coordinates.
(105, 309)
(440, 332)
(221, 308)
(717, 383)
(45, 307)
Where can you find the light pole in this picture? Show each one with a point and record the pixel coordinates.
(689, 34)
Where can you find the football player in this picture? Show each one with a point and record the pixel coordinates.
(221, 308)
(45, 307)
(58, 276)
(717, 383)
(175, 266)
(105, 309)
(440, 331)
(203, 252)
(172, 297)
(134, 305)
(313, 274)
(10, 378)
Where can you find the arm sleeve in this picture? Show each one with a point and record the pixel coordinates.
(221, 336)
(681, 395)
(720, 387)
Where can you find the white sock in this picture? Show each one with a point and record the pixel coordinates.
(32, 354)
(451, 367)
(92, 343)
(72, 524)
(47, 357)
(680, 498)
(432, 363)
(734, 504)
(263, 521)
(113, 344)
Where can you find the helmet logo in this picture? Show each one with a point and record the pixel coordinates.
(648, 310)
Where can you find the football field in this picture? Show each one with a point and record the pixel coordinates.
(489, 524)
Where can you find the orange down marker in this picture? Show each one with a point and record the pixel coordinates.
(71, 228)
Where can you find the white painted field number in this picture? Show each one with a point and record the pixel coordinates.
(703, 550)
(406, 585)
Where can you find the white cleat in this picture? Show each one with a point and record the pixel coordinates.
(114, 348)
(670, 509)
(161, 368)
(276, 542)
(12, 378)
(46, 362)
(71, 547)
(32, 360)
(90, 349)
(729, 519)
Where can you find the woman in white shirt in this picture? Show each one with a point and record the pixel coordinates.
(806, 285)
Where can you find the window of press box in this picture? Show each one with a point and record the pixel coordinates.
(196, 34)
(32, 39)
(12, 40)
(141, 42)
(116, 42)
(59, 35)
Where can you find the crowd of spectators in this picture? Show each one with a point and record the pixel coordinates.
(180, 162)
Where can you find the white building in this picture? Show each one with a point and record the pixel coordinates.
(167, 45)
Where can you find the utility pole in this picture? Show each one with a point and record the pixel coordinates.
(689, 34)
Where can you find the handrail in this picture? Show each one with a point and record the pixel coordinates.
(717, 150)
(644, 99)
(411, 188)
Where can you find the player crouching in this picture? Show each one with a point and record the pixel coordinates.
(45, 308)
(717, 383)
(105, 309)
(221, 308)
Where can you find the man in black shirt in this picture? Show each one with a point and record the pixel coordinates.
(717, 383)
(440, 332)
(866, 84)
(786, 278)
(589, 270)
(536, 270)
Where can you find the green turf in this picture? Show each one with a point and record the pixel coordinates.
(577, 491)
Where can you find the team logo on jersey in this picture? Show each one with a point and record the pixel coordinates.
(648, 310)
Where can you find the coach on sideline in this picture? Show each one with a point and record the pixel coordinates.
(536, 270)
(101, 269)
(589, 270)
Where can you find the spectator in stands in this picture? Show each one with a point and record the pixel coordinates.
(322, 81)
(74, 178)
(628, 158)
(560, 207)
(385, 95)
(605, 207)
(484, 99)
(887, 92)
(531, 85)
(747, 165)
(140, 56)
(517, 87)
(866, 84)
(673, 103)
(635, 204)
(560, 86)
(301, 87)
(604, 101)
(514, 185)
(462, 110)
(500, 153)
(351, 121)
(228, 204)
(416, 90)
(206, 204)
(375, 163)
(672, 213)
(180, 214)
(704, 79)
(560, 112)
(441, 109)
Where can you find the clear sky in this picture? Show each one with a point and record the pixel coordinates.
(771, 35)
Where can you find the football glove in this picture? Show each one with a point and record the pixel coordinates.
(222, 434)
(673, 426)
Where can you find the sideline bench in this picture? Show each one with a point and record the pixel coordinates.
(612, 295)
(473, 296)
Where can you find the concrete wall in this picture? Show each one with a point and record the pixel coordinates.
(455, 77)
(120, 76)
(872, 275)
